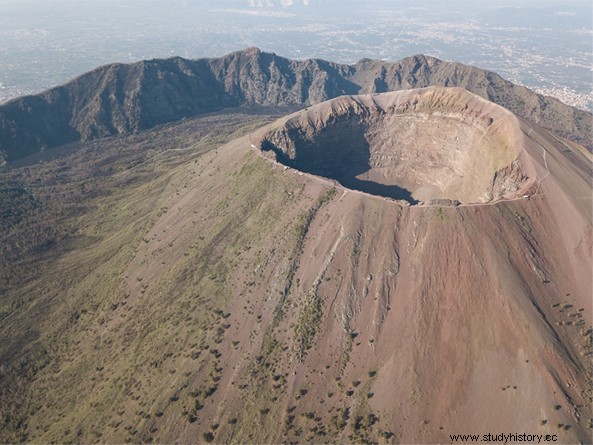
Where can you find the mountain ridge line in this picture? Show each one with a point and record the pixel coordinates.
(126, 98)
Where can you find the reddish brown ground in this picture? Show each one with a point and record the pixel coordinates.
(454, 320)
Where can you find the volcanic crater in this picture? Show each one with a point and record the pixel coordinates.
(431, 146)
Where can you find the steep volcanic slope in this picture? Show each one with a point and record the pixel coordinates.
(248, 302)
(118, 98)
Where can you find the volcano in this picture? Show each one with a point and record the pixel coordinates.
(398, 267)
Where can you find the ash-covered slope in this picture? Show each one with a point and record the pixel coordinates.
(255, 303)
(118, 99)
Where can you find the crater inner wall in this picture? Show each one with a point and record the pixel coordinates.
(404, 151)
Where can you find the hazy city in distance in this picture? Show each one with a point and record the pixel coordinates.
(545, 45)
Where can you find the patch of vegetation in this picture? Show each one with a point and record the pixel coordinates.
(305, 219)
(15, 202)
(345, 355)
(131, 356)
(439, 213)
(301, 229)
(308, 323)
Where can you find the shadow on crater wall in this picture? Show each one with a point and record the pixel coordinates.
(374, 188)
(339, 152)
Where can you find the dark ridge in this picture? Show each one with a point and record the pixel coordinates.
(126, 98)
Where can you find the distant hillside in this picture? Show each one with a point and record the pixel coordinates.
(120, 98)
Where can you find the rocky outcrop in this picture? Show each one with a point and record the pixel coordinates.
(119, 99)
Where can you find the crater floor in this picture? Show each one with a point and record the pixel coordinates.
(418, 145)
